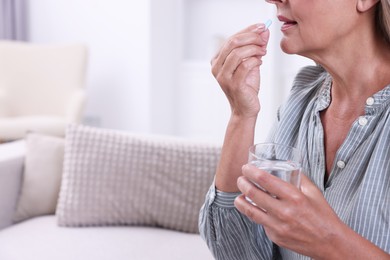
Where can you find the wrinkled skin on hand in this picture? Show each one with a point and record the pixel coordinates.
(236, 68)
(298, 219)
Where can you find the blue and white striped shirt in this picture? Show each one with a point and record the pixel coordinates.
(358, 188)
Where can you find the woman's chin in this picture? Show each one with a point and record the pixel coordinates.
(288, 47)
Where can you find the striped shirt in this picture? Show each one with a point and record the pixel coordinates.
(358, 188)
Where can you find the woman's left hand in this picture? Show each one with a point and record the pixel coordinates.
(298, 219)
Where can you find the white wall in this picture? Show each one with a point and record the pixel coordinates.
(149, 65)
(117, 34)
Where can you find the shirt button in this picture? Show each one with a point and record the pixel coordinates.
(363, 121)
(341, 164)
(370, 101)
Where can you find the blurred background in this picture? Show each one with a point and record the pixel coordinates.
(149, 60)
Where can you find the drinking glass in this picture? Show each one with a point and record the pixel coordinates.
(279, 160)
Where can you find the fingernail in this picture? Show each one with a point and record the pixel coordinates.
(244, 167)
(260, 27)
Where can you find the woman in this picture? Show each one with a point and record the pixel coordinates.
(338, 115)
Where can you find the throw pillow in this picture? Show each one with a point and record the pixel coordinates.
(42, 176)
(118, 178)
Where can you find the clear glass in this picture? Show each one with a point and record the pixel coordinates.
(279, 160)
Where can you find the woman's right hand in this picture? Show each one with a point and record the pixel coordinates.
(236, 68)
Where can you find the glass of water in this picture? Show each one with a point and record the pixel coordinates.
(279, 160)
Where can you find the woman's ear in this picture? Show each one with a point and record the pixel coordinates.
(365, 5)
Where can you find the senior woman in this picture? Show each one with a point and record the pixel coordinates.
(338, 115)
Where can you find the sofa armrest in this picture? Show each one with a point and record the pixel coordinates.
(11, 172)
(75, 106)
(3, 101)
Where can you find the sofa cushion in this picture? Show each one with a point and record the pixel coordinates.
(118, 178)
(42, 176)
(41, 238)
(11, 169)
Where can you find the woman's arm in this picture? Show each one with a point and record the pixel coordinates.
(239, 137)
(236, 68)
(228, 233)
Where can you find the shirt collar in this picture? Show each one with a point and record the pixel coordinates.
(381, 98)
(324, 93)
(381, 101)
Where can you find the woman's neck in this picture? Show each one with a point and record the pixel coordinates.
(358, 61)
(358, 73)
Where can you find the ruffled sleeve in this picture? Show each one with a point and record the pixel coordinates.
(230, 234)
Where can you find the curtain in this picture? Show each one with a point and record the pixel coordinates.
(13, 20)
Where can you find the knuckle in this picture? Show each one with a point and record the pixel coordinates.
(242, 206)
(220, 78)
(237, 203)
(281, 230)
(249, 212)
(262, 177)
(213, 62)
(240, 181)
(257, 60)
(287, 215)
(214, 71)
(232, 42)
(251, 191)
(234, 54)
(247, 64)
(296, 198)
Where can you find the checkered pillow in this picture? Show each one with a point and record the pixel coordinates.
(117, 178)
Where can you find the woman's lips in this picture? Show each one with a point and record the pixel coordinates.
(287, 23)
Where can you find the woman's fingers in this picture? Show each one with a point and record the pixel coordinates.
(254, 213)
(247, 67)
(240, 55)
(310, 189)
(239, 65)
(272, 184)
(248, 37)
(234, 52)
(262, 198)
(255, 28)
(236, 68)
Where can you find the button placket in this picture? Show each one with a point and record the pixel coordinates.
(341, 164)
(363, 121)
(370, 101)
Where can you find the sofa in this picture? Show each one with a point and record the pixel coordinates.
(103, 194)
(42, 87)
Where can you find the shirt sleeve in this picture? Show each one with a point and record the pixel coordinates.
(229, 234)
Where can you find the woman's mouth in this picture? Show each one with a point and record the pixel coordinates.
(287, 23)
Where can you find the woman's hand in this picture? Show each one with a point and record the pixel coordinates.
(236, 68)
(300, 220)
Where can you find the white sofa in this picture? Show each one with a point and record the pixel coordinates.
(41, 87)
(41, 237)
